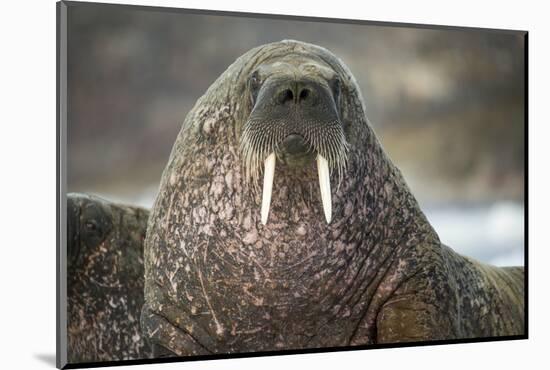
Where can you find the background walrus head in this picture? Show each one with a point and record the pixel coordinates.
(104, 279)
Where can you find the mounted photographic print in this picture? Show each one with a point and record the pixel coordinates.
(239, 184)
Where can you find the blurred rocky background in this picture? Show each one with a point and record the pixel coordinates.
(448, 106)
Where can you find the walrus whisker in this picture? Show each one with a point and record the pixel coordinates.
(260, 142)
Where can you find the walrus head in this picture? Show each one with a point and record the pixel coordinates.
(295, 119)
(289, 112)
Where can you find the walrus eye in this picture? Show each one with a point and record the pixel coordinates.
(255, 78)
(91, 226)
(95, 224)
(93, 234)
(254, 83)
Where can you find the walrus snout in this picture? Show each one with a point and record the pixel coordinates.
(295, 119)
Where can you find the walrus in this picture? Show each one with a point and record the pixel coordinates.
(104, 280)
(282, 224)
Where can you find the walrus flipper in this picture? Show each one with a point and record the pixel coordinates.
(454, 297)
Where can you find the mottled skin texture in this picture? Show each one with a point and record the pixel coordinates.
(105, 280)
(218, 281)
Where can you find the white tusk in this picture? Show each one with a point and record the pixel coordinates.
(269, 173)
(324, 185)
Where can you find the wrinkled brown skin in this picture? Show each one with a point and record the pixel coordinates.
(218, 281)
(105, 280)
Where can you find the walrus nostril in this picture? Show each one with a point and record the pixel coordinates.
(304, 94)
(295, 144)
(286, 96)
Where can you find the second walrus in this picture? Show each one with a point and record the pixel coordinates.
(104, 280)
